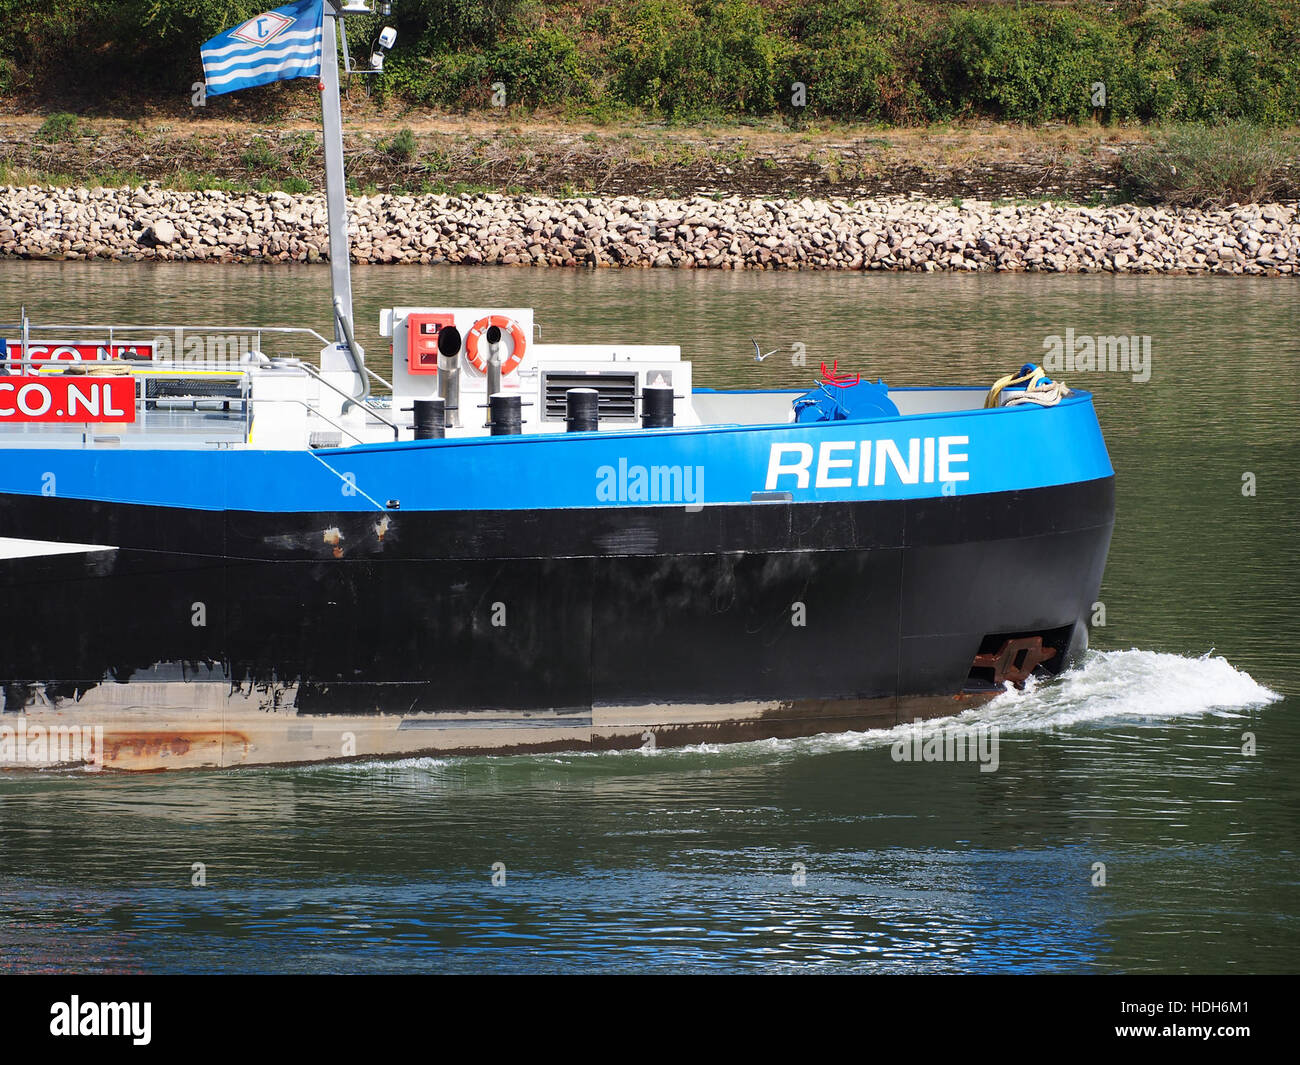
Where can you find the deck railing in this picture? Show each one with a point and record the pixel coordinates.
(159, 352)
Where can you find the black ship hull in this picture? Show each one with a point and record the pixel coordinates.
(445, 632)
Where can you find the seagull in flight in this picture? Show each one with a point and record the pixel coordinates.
(759, 356)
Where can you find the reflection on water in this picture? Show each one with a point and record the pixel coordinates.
(685, 860)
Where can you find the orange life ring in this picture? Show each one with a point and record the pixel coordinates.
(516, 356)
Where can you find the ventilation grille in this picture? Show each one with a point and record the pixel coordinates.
(617, 393)
(192, 388)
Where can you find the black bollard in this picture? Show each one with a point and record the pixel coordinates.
(505, 413)
(657, 407)
(430, 419)
(581, 410)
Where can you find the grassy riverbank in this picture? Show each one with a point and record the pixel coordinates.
(901, 62)
(1086, 164)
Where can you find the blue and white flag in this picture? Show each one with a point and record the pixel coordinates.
(273, 46)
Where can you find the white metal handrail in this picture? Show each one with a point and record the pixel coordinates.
(141, 369)
(172, 328)
(118, 333)
(315, 373)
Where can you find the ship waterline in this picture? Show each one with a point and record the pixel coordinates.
(190, 725)
(751, 621)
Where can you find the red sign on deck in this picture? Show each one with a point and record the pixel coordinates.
(82, 352)
(51, 398)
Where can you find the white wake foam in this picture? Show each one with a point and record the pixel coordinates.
(1108, 686)
(1128, 685)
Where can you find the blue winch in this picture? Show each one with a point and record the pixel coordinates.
(831, 401)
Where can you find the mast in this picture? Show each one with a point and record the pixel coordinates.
(336, 194)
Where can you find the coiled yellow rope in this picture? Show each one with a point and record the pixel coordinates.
(1040, 389)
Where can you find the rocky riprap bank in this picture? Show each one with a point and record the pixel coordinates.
(885, 234)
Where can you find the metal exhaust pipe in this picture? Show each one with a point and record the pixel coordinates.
(449, 345)
(494, 359)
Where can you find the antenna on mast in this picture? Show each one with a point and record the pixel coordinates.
(336, 192)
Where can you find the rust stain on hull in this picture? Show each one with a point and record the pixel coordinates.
(166, 749)
(284, 739)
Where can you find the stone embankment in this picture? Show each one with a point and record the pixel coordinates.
(730, 234)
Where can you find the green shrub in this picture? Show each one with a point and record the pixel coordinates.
(644, 41)
(452, 25)
(301, 149)
(1225, 59)
(401, 145)
(458, 79)
(99, 46)
(541, 68)
(843, 57)
(59, 127)
(259, 155)
(1198, 165)
(668, 57)
(1021, 64)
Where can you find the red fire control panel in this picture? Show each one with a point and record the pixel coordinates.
(422, 340)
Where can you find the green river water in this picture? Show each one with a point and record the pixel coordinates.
(685, 860)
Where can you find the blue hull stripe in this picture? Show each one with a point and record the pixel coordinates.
(921, 456)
